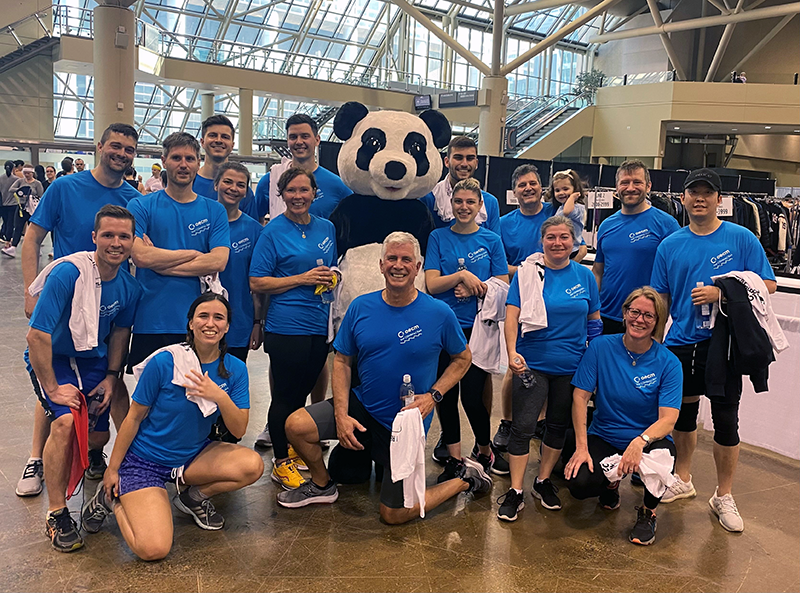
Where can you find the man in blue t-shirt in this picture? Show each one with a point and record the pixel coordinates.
(627, 243)
(180, 238)
(684, 265)
(216, 139)
(67, 210)
(395, 332)
(461, 162)
(64, 366)
(302, 138)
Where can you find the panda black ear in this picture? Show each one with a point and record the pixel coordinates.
(439, 126)
(347, 117)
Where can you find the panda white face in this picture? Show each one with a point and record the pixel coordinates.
(390, 154)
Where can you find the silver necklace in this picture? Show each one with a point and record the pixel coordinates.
(633, 360)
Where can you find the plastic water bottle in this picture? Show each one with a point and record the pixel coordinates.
(92, 407)
(702, 314)
(327, 294)
(462, 266)
(526, 377)
(407, 390)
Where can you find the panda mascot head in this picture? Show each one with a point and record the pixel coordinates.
(389, 159)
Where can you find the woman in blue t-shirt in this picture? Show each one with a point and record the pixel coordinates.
(459, 261)
(292, 263)
(638, 385)
(164, 437)
(553, 307)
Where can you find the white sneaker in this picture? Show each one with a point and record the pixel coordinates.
(30, 484)
(263, 439)
(679, 489)
(724, 507)
(9, 251)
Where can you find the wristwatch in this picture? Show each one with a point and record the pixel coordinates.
(117, 374)
(437, 397)
(645, 438)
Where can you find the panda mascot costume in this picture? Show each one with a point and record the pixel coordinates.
(388, 159)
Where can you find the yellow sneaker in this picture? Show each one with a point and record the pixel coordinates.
(298, 461)
(286, 475)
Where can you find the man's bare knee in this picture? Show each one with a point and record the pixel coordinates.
(301, 426)
(394, 516)
(153, 551)
(61, 428)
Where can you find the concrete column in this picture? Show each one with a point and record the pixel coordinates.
(114, 58)
(206, 106)
(246, 121)
(492, 122)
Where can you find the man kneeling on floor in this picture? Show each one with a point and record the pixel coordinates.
(391, 333)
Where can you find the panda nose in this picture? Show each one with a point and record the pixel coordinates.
(395, 170)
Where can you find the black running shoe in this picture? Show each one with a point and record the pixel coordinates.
(452, 469)
(545, 491)
(644, 531)
(97, 465)
(500, 439)
(609, 498)
(440, 452)
(510, 504)
(95, 511)
(203, 512)
(499, 463)
(472, 473)
(63, 532)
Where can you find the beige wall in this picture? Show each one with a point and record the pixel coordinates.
(779, 154)
(26, 100)
(563, 137)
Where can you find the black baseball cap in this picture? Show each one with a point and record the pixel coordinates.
(707, 175)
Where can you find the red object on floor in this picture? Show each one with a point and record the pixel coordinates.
(80, 447)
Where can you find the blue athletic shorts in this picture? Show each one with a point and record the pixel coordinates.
(136, 473)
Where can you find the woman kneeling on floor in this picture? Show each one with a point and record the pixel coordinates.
(164, 437)
(639, 385)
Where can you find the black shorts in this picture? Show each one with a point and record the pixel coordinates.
(376, 441)
(693, 359)
(143, 345)
(612, 326)
(239, 352)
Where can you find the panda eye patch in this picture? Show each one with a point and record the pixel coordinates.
(372, 141)
(416, 145)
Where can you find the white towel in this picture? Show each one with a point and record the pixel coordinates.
(184, 360)
(443, 194)
(533, 314)
(84, 318)
(487, 342)
(211, 283)
(276, 204)
(655, 469)
(407, 457)
(336, 290)
(760, 303)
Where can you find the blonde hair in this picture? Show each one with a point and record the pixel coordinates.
(470, 184)
(649, 293)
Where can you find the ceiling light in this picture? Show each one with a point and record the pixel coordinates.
(676, 128)
(797, 131)
(734, 129)
(161, 80)
(767, 127)
(216, 88)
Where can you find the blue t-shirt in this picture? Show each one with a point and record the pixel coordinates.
(628, 397)
(205, 187)
(626, 246)
(393, 341)
(174, 430)
(281, 251)
(683, 259)
(330, 191)
(69, 206)
(236, 279)
(201, 225)
(576, 217)
(570, 296)
(118, 301)
(492, 212)
(521, 234)
(483, 255)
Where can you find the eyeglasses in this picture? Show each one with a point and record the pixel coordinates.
(635, 313)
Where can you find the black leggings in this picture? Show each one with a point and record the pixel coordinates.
(295, 362)
(589, 484)
(471, 386)
(21, 217)
(7, 217)
(527, 403)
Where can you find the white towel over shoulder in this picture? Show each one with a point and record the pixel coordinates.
(184, 360)
(487, 342)
(407, 455)
(443, 194)
(84, 319)
(532, 314)
(276, 204)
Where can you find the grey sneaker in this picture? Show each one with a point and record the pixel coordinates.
(30, 484)
(473, 474)
(97, 465)
(203, 512)
(724, 507)
(62, 531)
(263, 439)
(308, 493)
(678, 490)
(95, 511)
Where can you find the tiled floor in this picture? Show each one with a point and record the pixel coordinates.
(460, 546)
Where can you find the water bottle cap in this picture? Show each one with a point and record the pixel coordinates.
(700, 285)
(461, 260)
(319, 261)
(406, 378)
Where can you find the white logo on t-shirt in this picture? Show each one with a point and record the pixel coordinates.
(639, 235)
(575, 291)
(720, 260)
(199, 227)
(242, 245)
(644, 381)
(477, 255)
(109, 310)
(409, 334)
(325, 245)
